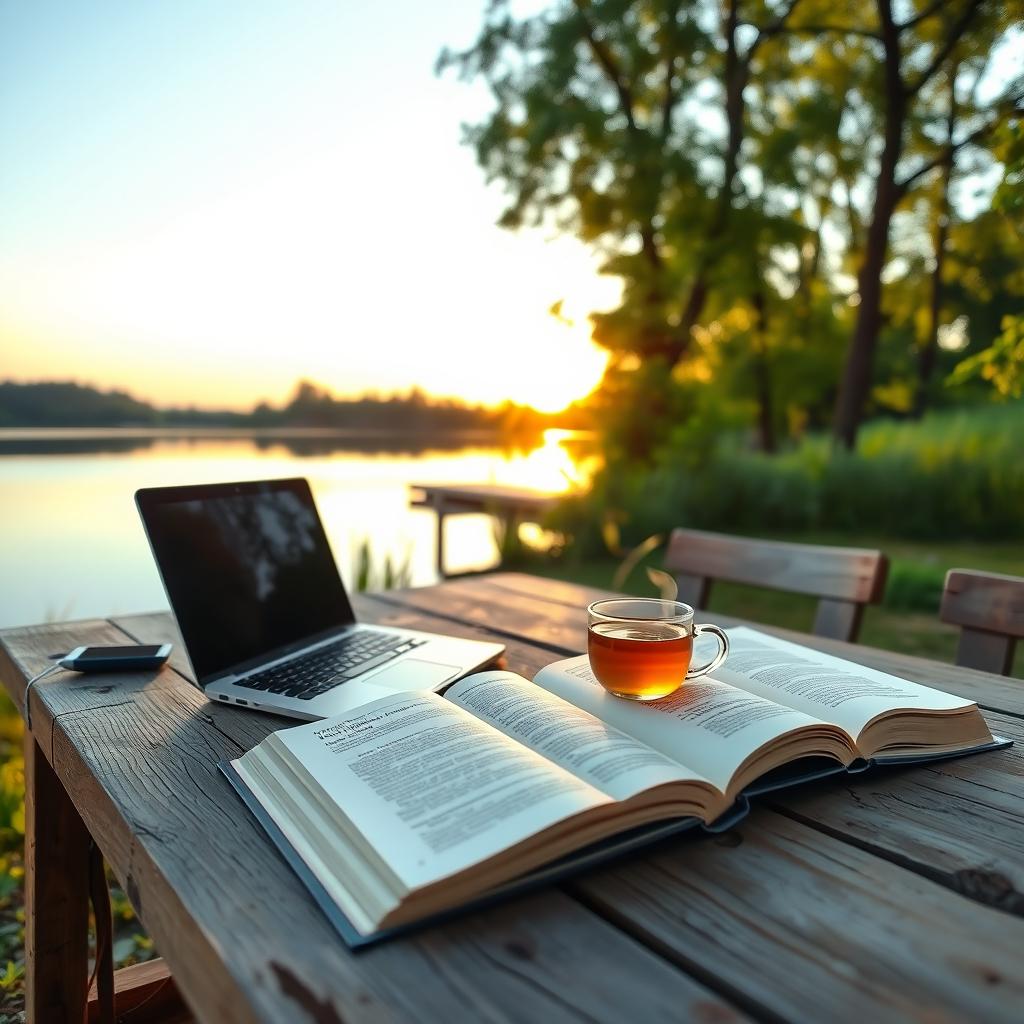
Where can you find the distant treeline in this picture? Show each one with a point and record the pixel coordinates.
(68, 404)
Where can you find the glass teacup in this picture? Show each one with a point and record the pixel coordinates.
(640, 648)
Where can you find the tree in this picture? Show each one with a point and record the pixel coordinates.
(928, 40)
(734, 163)
(597, 129)
(1002, 363)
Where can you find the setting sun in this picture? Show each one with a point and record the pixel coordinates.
(232, 303)
(566, 366)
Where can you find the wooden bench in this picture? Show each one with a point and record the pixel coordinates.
(512, 505)
(845, 579)
(989, 609)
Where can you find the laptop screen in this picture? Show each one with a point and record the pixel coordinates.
(247, 569)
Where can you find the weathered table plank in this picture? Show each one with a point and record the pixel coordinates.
(562, 626)
(242, 937)
(816, 929)
(789, 914)
(960, 822)
(770, 993)
(575, 595)
(950, 822)
(27, 651)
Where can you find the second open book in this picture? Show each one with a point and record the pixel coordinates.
(417, 803)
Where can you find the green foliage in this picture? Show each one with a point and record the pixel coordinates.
(723, 160)
(12, 975)
(1009, 149)
(391, 574)
(65, 404)
(12, 874)
(415, 412)
(512, 551)
(950, 475)
(913, 586)
(1001, 364)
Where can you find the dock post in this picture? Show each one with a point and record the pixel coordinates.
(439, 509)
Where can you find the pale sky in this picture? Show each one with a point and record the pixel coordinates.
(203, 202)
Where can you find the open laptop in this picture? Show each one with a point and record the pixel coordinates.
(262, 610)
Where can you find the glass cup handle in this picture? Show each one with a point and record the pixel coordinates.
(723, 649)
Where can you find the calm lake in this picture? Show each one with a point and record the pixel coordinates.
(72, 545)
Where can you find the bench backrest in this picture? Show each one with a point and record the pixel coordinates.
(989, 608)
(845, 579)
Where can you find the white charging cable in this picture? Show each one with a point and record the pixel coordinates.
(28, 691)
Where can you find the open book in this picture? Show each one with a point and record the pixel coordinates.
(417, 803)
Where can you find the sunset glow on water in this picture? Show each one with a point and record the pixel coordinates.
(75, 548)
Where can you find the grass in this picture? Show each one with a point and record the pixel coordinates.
(952, 475)
(12, 869)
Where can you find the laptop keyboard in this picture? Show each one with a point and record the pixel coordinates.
(331, 665)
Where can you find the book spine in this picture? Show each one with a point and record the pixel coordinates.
(725, 821)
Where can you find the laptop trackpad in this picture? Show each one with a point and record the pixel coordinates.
(412, 674)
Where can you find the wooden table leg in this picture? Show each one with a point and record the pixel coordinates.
(56, 896)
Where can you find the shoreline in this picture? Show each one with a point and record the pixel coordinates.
(96, 433)
(299, 440)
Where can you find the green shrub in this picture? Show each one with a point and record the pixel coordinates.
(952, 475)
(914, 587)
(742, 491)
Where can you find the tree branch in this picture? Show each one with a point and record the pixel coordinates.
(669, 101)
(773, 28)
(845, 30)
(603, 55)
(953, 36)
(1013, 107)
(933, 8)
(979, 77)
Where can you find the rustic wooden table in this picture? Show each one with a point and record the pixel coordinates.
(897, 896)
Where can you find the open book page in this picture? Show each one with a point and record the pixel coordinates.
(706, 724)
(432, 788)
(312, 835)
(608, 759)
(829, 688)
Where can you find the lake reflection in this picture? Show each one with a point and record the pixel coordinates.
(72, 545)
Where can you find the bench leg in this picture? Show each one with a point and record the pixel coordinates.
(56, 896)
(439, 509)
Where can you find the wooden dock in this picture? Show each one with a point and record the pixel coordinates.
(512, 505)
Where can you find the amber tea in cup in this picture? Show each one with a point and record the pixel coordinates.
(641, 648)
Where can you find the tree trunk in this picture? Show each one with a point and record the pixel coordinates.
(810, 264)
(926, 359)
(763, 377)
(856, 380)
(929, 351)
(736, 76)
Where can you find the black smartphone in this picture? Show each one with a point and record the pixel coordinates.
(116, 659)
